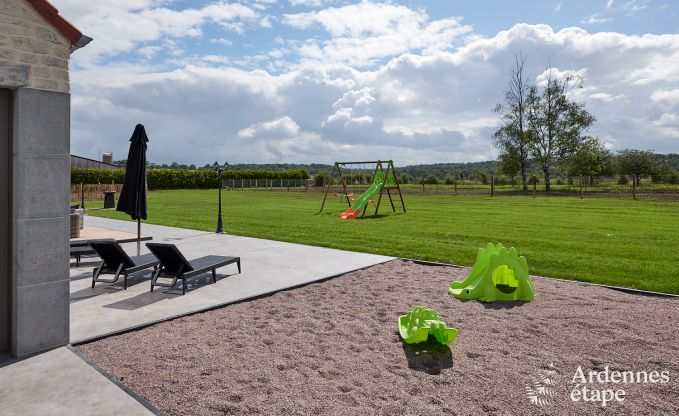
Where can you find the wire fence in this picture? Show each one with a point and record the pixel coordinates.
(622, 186)
(93, 191)
(266, 184)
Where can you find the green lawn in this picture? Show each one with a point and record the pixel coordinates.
(603, 240)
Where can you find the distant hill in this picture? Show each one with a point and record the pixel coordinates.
(671, 158)
(445, 170)
(440, 170)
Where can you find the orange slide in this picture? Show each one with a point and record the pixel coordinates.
(349, 214)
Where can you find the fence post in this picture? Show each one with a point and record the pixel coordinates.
(492, 185)
(581, 194)
(634, 187)
(422, 184)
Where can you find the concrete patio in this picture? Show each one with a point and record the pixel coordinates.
(60, 382)
(267, 266)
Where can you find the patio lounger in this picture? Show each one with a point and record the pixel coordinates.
(80, 248)
(174, 265)
(115, 261)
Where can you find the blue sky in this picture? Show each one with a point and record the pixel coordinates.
(319, 80)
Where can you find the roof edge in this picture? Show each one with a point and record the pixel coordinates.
(51, 14)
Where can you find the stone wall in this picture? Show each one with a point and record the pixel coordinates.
(40, 220)
(31, 48)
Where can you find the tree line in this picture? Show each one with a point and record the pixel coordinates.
(543, 129)
(181, 179)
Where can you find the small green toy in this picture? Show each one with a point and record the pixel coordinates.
(418, 324)
(498, 274)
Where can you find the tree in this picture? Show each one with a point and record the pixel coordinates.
(510, 165)
(556, 123)
(512, 137)
(591, 160)
(321, 179)
(635, 162)
(663, 172)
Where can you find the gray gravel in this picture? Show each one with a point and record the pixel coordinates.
(333, 348)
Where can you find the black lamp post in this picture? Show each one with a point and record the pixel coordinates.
(219, 169)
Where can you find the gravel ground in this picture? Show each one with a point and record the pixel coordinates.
(333, 348)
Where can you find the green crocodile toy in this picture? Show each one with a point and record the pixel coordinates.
(498, 274)
(418, 324)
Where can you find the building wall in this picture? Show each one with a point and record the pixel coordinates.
(34, 66)
(29, 42)
(78, 162)
(40, 220)
(5, 251)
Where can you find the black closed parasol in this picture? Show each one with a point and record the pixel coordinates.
(132, 199)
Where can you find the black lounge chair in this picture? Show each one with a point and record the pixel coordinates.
(174, 265)
(115, 261)
(82, 248)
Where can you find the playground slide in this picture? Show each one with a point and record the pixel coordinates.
(362, 200)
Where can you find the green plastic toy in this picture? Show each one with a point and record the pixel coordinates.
(498, 274)
(418, 324)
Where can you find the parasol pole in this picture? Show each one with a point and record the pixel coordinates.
(138, 236)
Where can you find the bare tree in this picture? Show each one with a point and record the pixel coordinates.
(555, 122)
(512, 137)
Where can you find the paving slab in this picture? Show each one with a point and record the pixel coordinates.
(59, 382)
(267, 266)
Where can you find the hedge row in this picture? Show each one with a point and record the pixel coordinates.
(182, 179)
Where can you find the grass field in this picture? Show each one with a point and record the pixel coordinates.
(611, 241)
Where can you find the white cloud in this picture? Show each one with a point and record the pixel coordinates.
(282, 128)
(310, 3)
(118, 26)
(593, 19)
(222, 41)
(633, 6)
(669, 96)
(148, 52)
(602, 96)
(366, 32)
(425, 104)
(609, 4)
(557, 7)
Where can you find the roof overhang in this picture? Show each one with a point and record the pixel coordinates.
(70, 32)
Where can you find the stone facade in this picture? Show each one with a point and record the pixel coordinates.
(29, 41)
(35, 46)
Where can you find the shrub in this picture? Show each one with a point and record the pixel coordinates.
(182, 179)
(622, 180)
(321, 179)
(431, 180)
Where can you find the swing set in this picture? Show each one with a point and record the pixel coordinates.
(383, 179)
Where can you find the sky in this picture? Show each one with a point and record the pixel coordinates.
(302, 81)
